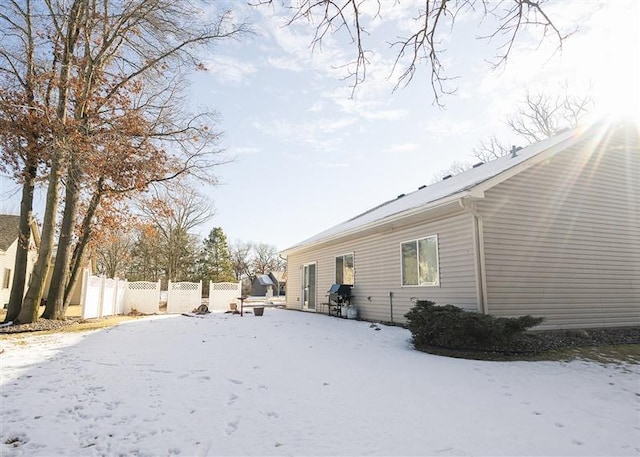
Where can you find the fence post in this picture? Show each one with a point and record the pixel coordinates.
(83, 293)
(101, 295)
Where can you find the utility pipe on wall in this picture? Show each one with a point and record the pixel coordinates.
(391, 305)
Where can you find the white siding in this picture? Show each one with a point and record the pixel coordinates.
(562, 240)
(377, 269)
(8, 260)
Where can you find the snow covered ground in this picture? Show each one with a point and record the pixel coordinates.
(292, 383)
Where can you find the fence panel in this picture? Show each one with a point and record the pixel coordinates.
(120, 298)
(182, 297)
(101, 297)
(91, 296)
(143, 296)
(221, 294)
(109, 289)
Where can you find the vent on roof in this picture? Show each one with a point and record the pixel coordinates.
(422, 187)
(401, 195)
(478, 164)
(446, 177)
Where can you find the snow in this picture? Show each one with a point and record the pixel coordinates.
(294, 383)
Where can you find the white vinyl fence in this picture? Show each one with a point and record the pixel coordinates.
(221, 294)
(183, 297)
(105, 297)
(143, 296)
(101, 296)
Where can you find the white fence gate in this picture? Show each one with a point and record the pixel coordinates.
(221, 294)
(183, 297)
(143, 296)
(102, 297)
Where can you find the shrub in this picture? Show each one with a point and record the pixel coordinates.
(454, 328)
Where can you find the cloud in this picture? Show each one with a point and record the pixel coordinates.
(243, 150)
(321, 134)
(286, 63)
(400, 148)
(229, 70)
(334, 165)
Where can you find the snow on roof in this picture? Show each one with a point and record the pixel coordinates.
(264, 280)
(431, 195)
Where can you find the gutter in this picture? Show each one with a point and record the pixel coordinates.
(479, 259)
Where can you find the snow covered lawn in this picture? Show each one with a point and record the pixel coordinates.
(292, 383)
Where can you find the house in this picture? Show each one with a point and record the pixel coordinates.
(276, 280)
(9, 231)
(551, 230)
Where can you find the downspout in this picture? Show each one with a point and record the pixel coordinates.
(391, 305)
(479, 260)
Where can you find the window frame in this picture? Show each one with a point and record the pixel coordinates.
(335, 267)
(416, 242)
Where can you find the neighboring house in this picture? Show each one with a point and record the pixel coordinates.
(276, 280)
(280, 279)
(551, 230)
(9, 231)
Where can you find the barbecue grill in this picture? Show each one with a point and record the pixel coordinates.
(339, 296)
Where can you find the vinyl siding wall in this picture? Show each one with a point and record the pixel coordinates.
(377, 262)
(562, 240)
(7, 260)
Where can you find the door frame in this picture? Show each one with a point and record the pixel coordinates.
(305, 286)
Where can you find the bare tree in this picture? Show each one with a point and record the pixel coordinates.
(114, 254)
(265, 259)
(240, 253)
(539, 116)
(173, 212)
(455, 168)
(490, 149)
(542, 115)
(424, 43)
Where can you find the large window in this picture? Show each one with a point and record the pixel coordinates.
(344, 269)
(420, 262)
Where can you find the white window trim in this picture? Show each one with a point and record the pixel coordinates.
(437, 283)
(335, 270)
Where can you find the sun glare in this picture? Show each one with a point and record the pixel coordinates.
(614, 58)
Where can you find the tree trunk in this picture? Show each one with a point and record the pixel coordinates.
(55, 299)
(78, 253)
(31, 302)
(22, 252)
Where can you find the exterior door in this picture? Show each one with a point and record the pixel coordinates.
(309, 287)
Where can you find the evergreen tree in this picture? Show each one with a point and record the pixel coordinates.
(215, 261)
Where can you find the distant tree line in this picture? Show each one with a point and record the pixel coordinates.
(163, 249)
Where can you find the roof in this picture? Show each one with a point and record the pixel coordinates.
(264, 280)
(9, 230)
(280, 276)
(453, 188)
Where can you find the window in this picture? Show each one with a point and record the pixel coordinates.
(420, 265)
(6, 280)
(344, 269)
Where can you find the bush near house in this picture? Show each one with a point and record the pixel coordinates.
(451, 327)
